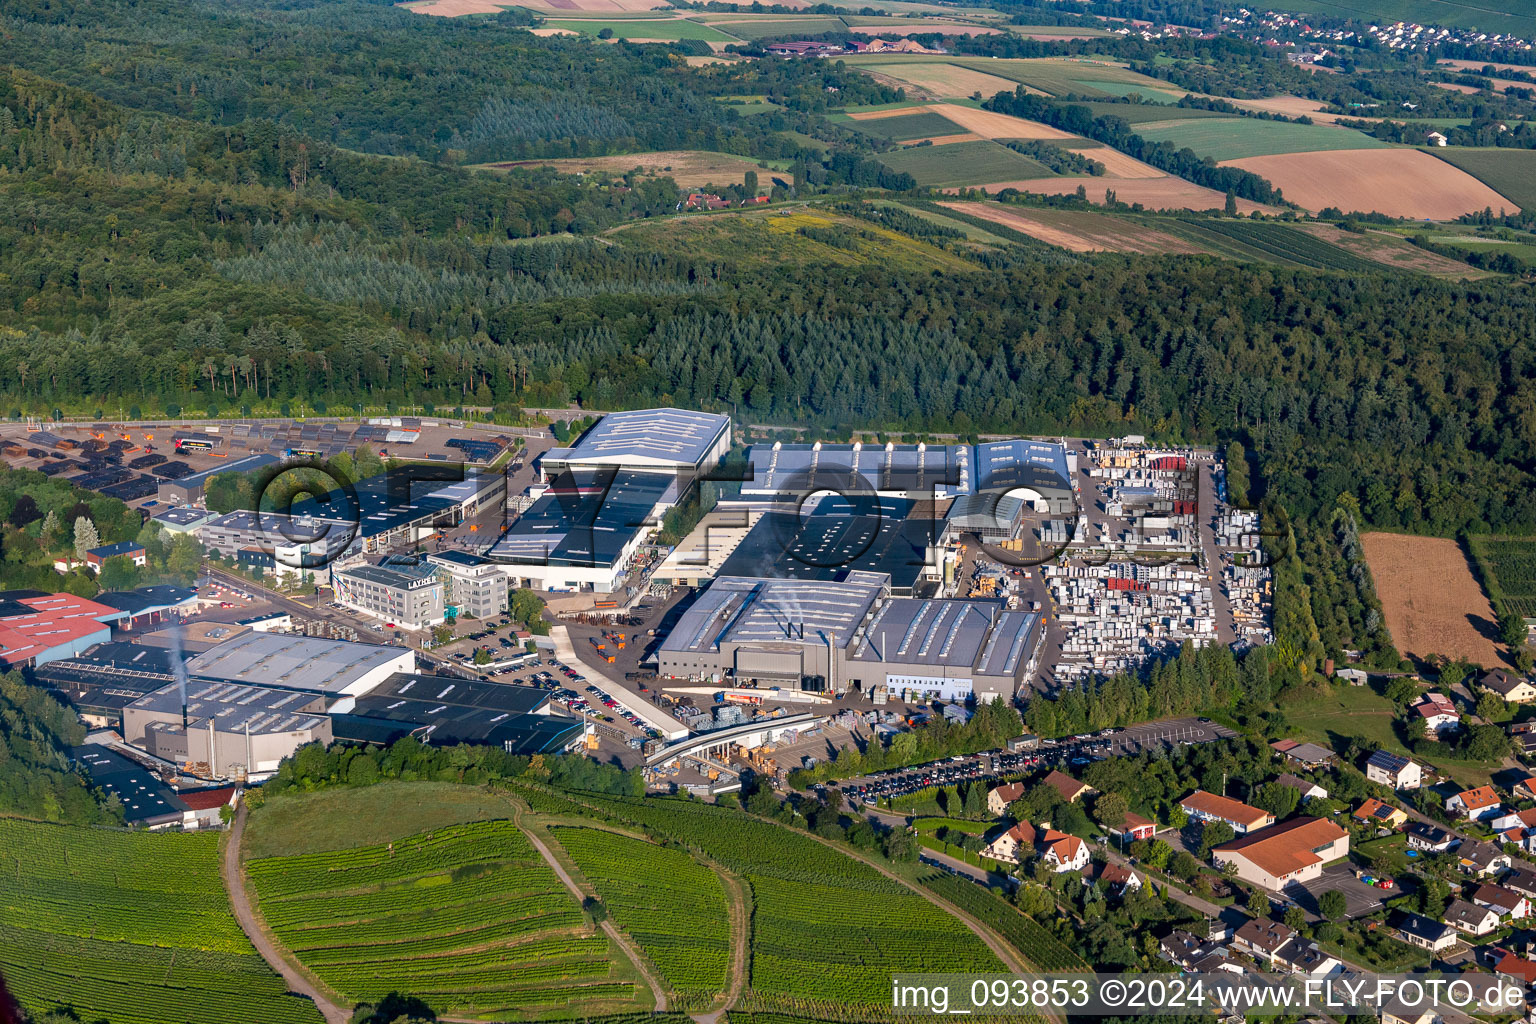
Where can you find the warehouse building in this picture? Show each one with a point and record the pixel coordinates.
(149, 606)
(1293, 851)
(184, 519)
(36, 627)
(838, 535)
(915, 472)
(582, 533)
(226, 730)
(286, 661)
(679, 443)
(290, 543)
(1039, 472)
(404, 592)
(100, 682)
(473, 587)
(850, 634)
(189, 489)
(448, 710)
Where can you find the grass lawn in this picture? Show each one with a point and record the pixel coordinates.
(964, 163)
(1360, 711)
(655, 28)
(1235, 138)
(339, 819)
(958, 824)
(1394, 847)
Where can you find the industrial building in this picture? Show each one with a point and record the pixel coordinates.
(225, 730)
(582, 532)
(473, 587)
(148, 606)
(36, 628)
(404, 592)
(147, 801)
(447, 709)
(287, 661)
(673, 442)
(184, 519)
(838, 635)
(287, 543)
(836, 535)
(1040, 472)
(100, 682)
(189, 489)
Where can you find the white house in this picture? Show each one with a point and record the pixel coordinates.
(1388, 769)
(1475, 804)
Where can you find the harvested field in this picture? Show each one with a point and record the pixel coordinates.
(1510, 172)
(689, 168)
(946, 81)
(1432, 600)
(990, 125)
(1290, 106)
(1165, 193)
(1396, 182)
(1116, 164)
(644, 30)
(876, 115)
(1077, 230)
(455, 8)
(547, 32)
(1465, 90)
(1478, 65)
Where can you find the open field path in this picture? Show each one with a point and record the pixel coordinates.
(619, 938)
(240, 902)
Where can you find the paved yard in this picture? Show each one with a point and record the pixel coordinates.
(1362, 899)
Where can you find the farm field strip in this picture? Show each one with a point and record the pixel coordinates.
(1162, 193)
(961, 163)
(131, 927)
(1235, 138)
(1509, 563)
(1510, 172)
(1430, 598)
(1079, 230)
(1280, 243)
(468, 915)
(1398, 182)
(827, 928)
(672, 906)
(1032, 939)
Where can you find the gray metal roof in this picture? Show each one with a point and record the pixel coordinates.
(246, 465)
(678, 436)
(296, 662)
(853, 468)
(979, 635)
(184, 515)
(236, 707)
(1038, 465)
(757, 611)
(392, 574)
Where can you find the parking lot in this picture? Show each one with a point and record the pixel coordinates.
(1362, 899)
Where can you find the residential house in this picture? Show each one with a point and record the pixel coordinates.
(1262, 939)
(134, 552)
(1136, 827)
(1308, 790)
(1517, 968)
(1389, 769)
(1117, 878)
(1521, 880)
(1308, 755)
(1479, 858)
(1435, 139)
(1382, 815)
(999, 797)
(1293, 851)
(1203, 806)
(1513, 688)
(1430, 838)
(1069, 788)
(1525, 789)
(1418, 930)
(1401, 1013)
(1437, 713)
(1185, 950)
(1518, 827)
(1059, 850)
(1474, 804)
(1505, 902)
(1471, 919)
(1305, 958)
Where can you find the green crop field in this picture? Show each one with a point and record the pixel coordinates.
(1269, 243)
(344, 817)
(654, 28)
(1509, 172)
(1032, 939)
(467, 917)
(670, 904)
(1142, 113)
(1233, 138)
(964, 163)
(827, 930)
(1150, 93)
(1059, 76)
(901, 127)
(1508, 566)
(129, 927)
(773, 27)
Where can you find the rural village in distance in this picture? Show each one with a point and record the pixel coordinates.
(703, 512)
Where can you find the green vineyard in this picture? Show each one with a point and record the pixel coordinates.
(671, 905)
(828, 931)
(1508, 565)
(1269, 243)
(1033, 941)
(469, 918)
(131, 928)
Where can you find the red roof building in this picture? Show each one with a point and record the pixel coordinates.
(41, 628)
